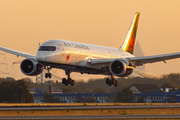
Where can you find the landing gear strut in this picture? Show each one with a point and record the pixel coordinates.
(48, 75)
(68, 80)
(112, 81)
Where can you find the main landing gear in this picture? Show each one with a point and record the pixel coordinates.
(68, 80)
(112, 81)
(48, 75)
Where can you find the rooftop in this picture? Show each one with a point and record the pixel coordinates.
(147, 88)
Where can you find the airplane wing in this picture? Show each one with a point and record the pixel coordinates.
(17, 53)
(139, 61)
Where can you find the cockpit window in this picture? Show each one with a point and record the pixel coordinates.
(47, 48)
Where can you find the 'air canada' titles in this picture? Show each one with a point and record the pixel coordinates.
(76, 46)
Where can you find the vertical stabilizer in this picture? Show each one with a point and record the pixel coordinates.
(129, 41)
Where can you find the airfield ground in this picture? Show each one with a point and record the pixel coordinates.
(80, 104)
(91, 111)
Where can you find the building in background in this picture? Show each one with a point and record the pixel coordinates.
(150, 93)
(50, 90)
(78, 97)
(159, 97)
(144, 88)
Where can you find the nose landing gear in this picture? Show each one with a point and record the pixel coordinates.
(68, 80)
(112, 81)
(48, 75)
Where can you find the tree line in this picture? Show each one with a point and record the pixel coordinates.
(15, 92)
(99, 85)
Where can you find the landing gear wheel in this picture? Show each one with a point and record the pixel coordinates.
(110, 83)
(113, 81)
(46, 75)
(72, 83)
(63, 80)
(66, 83)
(50, 75)
(107, 81)
(116, 83)
(69, 80)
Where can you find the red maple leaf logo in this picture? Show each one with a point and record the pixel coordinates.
(67, 57)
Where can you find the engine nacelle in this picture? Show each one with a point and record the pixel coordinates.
(31, 67)
(121, 68)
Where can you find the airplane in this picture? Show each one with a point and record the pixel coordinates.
(87, 58)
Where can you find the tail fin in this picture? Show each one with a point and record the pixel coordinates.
(129, 41)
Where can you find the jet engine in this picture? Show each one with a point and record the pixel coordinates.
(121, 68)
(31, 67)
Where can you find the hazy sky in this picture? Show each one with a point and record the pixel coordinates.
(25, 23)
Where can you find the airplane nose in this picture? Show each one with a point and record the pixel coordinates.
(40, 56)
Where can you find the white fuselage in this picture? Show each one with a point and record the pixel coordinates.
(68, 52)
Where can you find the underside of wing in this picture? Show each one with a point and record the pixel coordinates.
(138, 61)
(101, 61)
(17, 53)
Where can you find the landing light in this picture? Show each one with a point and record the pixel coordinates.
(89, 61)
